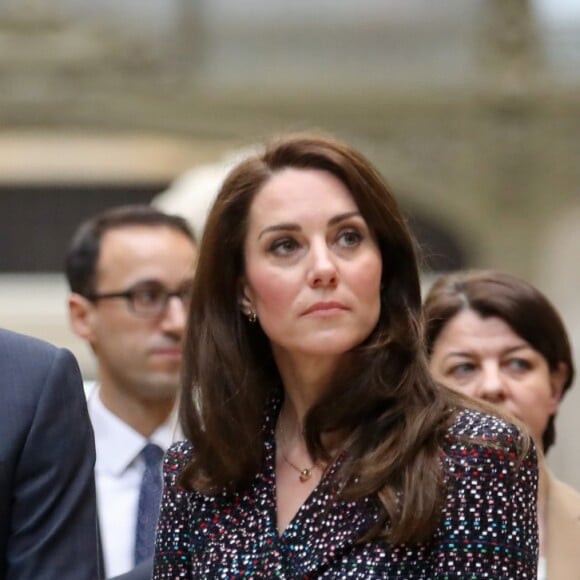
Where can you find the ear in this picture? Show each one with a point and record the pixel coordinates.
(81, 316)
(245, 301)
(557, 380)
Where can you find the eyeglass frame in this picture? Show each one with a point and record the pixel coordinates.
(183, 293)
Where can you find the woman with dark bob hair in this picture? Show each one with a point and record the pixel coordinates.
(495, 337)
(318, 445)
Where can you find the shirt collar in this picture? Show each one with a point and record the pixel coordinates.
(117, 444)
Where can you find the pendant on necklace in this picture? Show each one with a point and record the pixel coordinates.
(305, 474)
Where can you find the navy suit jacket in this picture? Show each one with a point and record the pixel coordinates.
(143, 571)
(48, 527)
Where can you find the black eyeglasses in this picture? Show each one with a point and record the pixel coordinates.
(147, 299)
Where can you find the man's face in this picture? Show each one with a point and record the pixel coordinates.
(139, 356)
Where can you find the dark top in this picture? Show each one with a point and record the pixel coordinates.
(488, 524)
(142, 571)
(48, 519)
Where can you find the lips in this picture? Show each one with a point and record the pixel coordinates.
(173, 352)
(322, 307)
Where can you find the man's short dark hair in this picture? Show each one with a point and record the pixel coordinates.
(83, 253)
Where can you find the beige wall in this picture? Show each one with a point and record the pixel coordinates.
(557, 265)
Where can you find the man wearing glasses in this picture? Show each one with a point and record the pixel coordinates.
(129, 270)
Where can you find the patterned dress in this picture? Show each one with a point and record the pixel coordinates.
(487, 530)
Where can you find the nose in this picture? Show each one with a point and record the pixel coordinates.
(174, 317)
(492, 387)
(323, 271)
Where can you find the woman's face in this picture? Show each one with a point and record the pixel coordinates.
(312, 266)
(486, 359)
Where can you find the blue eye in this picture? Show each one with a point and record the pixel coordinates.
(283, 246)
(519, 364)
(462, 370)
(349, 238)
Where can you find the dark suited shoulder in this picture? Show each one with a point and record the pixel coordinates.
(47, 454)
(143, 571)
(24, 359)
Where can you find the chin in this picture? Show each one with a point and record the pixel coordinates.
(161, 388)
(161, 397)
(328, 347)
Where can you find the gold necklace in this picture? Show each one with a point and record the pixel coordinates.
(304, 473)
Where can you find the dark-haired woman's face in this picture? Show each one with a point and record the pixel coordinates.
(486, 359)
(313, 269)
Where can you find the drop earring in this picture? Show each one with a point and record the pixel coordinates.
(252, 316)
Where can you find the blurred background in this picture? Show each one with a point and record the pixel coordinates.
(470, 108)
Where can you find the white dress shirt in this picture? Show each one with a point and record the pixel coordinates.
(542, 569)
(118, 472)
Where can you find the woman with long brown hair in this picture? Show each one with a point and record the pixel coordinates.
(317, 443)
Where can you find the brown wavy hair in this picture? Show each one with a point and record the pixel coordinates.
(519, 304)
(384, 400)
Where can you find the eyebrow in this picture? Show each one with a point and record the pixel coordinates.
(157, 282)
(466, 354)
(292, 227)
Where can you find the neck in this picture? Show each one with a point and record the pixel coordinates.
(305, 380)
(142, 415)
(290, 428)
(291, 446)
